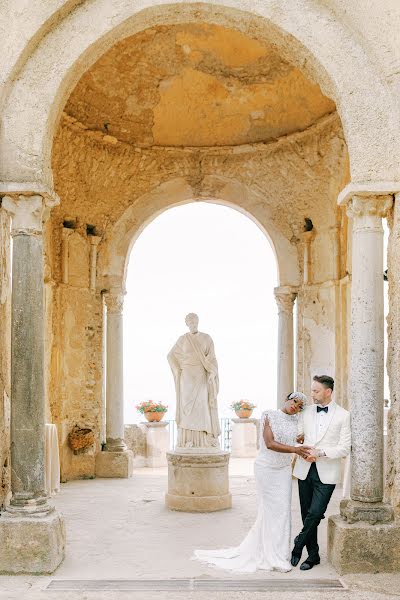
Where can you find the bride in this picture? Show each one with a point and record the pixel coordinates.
(267, 545)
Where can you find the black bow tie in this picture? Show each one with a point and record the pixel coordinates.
(323, 408)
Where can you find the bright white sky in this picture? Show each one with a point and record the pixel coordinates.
(214, 261)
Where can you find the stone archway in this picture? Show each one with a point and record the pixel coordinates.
(307, 36)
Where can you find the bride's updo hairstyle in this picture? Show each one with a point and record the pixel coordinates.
(299, 398)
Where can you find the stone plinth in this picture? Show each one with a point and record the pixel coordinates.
(244, 438)
(157, 443)
(114, 464)
(363, 548)
(33, 545)
(198, 482)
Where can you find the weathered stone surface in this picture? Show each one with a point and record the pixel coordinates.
(363, 548)
(114, 464)
(198, 482)
(393, 360)
(244, 438)
(5, 356)
(135, 439)
(149, 89)
(369, 512)
(31, 545)
(157, 444)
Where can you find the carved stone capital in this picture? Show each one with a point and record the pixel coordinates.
(28, 212)
(308, 236)
(66, 232)
(367, 212)
(114, 300)
(285, 297)
(95, 240)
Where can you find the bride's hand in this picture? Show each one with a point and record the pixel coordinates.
(303, 451)
(300, 439)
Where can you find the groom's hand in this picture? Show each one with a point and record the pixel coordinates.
(313, 454)
(303, 451)
(300, 439)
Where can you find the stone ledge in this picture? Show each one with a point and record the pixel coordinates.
(31, 545)
(193, 460)
(362, 547)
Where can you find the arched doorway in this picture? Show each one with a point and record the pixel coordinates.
(287, 177)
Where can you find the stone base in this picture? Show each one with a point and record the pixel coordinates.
(114, 464)
(363, 548)
(198, 482)
(31, 545)
(244, 438)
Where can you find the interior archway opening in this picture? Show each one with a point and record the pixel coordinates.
(209, 259)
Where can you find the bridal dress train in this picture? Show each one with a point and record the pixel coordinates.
(267, 545)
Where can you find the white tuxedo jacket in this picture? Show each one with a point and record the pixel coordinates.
(334, 439)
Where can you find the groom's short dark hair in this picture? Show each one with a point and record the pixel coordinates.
(325, 380)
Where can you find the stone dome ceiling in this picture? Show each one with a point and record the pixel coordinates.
(195, 85)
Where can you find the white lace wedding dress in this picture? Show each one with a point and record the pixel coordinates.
(267, 545)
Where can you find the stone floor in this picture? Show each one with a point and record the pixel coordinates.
(120, 529)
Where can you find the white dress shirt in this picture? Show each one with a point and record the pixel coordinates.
(322, 419)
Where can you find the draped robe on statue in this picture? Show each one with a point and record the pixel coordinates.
(195, 371)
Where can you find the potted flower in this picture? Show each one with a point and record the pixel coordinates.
(153, 411)
(243, 408)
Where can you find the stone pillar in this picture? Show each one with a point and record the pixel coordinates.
(364, 536)
(94, 242)
(308, 237)
(116, 459)
(32, 534)
(285, 297)
(66, 232)
(367, 348)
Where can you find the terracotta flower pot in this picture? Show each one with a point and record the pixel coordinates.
(154, 415)
(244, 413)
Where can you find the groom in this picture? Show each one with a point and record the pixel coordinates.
(325, 427)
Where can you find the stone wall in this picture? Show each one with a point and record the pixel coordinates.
(5, 353)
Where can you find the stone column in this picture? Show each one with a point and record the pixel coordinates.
(308, 237)
(285, 297)
(118, 463)
(32, 535)
(65, 233)
(367, 347)
(94, 242)
(356, 543)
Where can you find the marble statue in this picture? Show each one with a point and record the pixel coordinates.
(195, 371)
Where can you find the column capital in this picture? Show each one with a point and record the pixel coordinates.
(308, 236)
(367, 212)
(28, 211)
(66, 232)
(285, 297)
(95, 240)
(114, 299)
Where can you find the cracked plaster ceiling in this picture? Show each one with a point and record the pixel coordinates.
(195, 85)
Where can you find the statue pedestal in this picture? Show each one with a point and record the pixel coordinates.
(244, 438)
(157, 443)
(198, 482)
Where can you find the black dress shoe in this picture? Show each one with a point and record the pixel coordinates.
(295, 559)
(309, 564)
